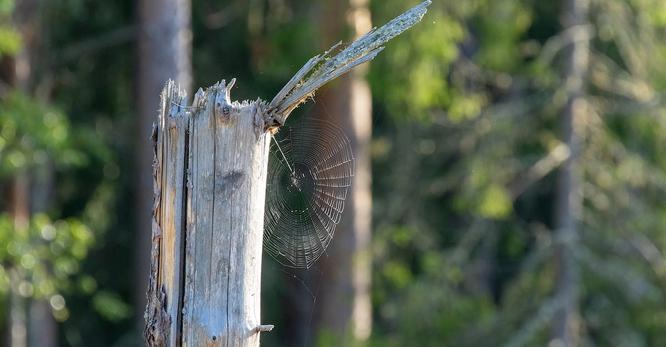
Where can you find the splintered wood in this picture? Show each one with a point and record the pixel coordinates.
(210, 171)
(210, 177)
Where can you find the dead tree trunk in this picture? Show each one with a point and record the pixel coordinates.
(209, 175)
(210, 167)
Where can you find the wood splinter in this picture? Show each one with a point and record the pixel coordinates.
(264, 328)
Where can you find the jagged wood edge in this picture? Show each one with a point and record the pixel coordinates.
(323, 68)
(156, 330)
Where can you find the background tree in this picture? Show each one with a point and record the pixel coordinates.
(568, 195)
(165, 52)
(344, 314)
(41, 254)
(504, 153)
(88, 170)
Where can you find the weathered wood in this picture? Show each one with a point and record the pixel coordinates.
(169, 168)
(229, 156)
(174, 142)
(324, 68)
(164, 50)
(209, 176)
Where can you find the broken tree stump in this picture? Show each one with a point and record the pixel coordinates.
(209, 174)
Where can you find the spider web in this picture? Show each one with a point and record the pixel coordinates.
(309, 174)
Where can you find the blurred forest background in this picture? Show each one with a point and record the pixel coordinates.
(510, 186)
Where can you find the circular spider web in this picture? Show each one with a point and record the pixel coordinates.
(309, 174)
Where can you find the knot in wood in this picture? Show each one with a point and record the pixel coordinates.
(223, 108)
(273, 121)
(223, 105)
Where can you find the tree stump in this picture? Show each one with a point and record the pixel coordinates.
(210, 170)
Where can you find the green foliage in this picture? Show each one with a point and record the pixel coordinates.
(10, 41)
(421, 63)
(40, 260)
(470, 203)
(502, 25)
(6, 6)
(111, 306)
(49, 258)
(32, 133)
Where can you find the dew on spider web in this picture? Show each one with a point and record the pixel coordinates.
(309, 174)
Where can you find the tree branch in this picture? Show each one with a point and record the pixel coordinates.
(323, 68)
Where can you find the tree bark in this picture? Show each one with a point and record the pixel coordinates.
(42, 327)
(210, 179)
(568, 207)
(346, 312)
(164, 47)
(20, 211)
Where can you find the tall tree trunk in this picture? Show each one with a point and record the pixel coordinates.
(345, 308)
(31, 321)
(568, 207)
(20, 211)
(42, 327)
(165, 49)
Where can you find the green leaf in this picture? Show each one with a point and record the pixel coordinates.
(495, 202)
(10, 40)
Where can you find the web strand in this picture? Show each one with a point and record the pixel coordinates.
(309, 175)
(277, 144)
